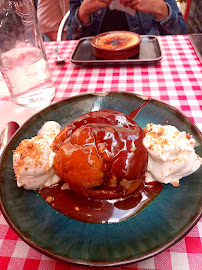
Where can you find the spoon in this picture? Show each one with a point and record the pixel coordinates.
(6, 134)
(59, 60)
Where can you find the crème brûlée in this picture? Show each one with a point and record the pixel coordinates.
(117, 40)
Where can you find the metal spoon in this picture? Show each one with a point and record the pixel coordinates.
(59, 60)
(6, 134)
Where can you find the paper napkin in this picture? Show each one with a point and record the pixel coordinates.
(115, 4)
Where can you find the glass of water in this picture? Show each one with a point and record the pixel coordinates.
(23, 59)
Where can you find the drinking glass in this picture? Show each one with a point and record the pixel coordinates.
(23, 59)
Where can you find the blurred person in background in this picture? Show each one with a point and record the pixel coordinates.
(50, 13)
(152, 17)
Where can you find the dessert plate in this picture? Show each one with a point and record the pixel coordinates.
(158, 226)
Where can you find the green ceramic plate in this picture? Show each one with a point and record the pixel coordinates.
(161, 224)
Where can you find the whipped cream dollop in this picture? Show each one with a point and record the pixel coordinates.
(171, 154)
(33, 159)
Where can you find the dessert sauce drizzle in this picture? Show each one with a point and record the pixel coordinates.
(94, 210)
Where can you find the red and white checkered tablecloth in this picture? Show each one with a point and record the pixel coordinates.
(176, 80)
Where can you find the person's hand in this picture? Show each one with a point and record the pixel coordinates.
(90, 6)
(157, 8)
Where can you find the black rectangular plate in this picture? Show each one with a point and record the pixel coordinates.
(150, 53)
(196, 41)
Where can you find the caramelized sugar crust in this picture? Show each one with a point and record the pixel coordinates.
(117, 40)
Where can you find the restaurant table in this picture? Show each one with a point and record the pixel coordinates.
(175, 80)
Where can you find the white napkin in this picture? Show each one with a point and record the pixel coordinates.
(115, 4)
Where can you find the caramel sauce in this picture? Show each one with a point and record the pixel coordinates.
(76, 206)
(110, 201)
(97, 154)
(134, 113)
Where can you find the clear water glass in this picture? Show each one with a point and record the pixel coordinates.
(23, 59)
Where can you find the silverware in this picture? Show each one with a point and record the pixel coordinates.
(59, 60)
(6, 134)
